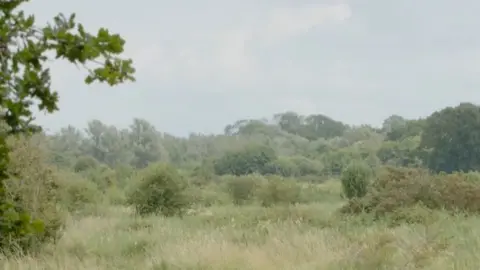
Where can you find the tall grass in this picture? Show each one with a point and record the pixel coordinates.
(302, 236)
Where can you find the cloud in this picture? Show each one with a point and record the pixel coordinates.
(233, 56)
(284, 23)
(230, 55)
(203, 64)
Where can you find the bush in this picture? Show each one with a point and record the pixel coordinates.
(208, 195)
(455, 192)
(85, 163)
(159, 190)
(330, 191)
(115, 196)
(401, 188)
(242, 188)
(123, 174)
(355, 180)
(415, 214)
(279, 190)
(473, 177)
(33, 192)
(203, 174)
(77, 193)
(103, 176)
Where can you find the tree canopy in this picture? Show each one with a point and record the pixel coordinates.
(444, 141)
(25, 81)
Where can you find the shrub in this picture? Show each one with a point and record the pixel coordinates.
(401, 188)
(77, 193)
(313, 179)
(159, 190)
(330, 191)
(393, 188)
(208, 195)
(473, 177)
(414, 214)
(103, 176)
(355, 180)
(279, 190)
(32, 189)
(242, 188)
(455, 192)
(85, 163)
(203, 174)
(115, 196)
(123, 173)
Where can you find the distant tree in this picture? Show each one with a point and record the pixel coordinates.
(361, 133)
(251, 159)
(252, 127)
(452, 139)
(97, 144)
(321, 126)
(282, 166)
(311, 127)
(403, 153)
(408, 129)
(294, 166)
(290, 121)
(145, 143)
(66, 145)
(336, 161)
(393, 122)
(85, 163)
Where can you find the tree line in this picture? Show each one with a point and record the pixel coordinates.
(289, 144)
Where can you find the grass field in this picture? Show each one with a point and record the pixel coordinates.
(308, 236)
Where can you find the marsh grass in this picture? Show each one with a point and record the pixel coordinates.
(252, 237)
(313, 234)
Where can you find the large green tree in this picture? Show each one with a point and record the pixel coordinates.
(311, 127)
(25, 80)
(451, 139)
(251, 159)
(409, 128)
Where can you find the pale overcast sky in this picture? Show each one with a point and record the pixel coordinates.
(204, 64)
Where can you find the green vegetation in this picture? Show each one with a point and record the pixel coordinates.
(256, 197)
(159, 190)
(24, 80)
(296, 192)
(355, 180)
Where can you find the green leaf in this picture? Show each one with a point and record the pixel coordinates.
(71, 20)
(29, 22)
(81, 30)
(103, 34)
(89, 79)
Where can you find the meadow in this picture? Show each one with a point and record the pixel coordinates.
(309, 235)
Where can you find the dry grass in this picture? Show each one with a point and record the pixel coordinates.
(308, 236)
(251, 237)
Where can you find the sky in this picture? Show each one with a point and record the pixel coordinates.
(204, 64)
